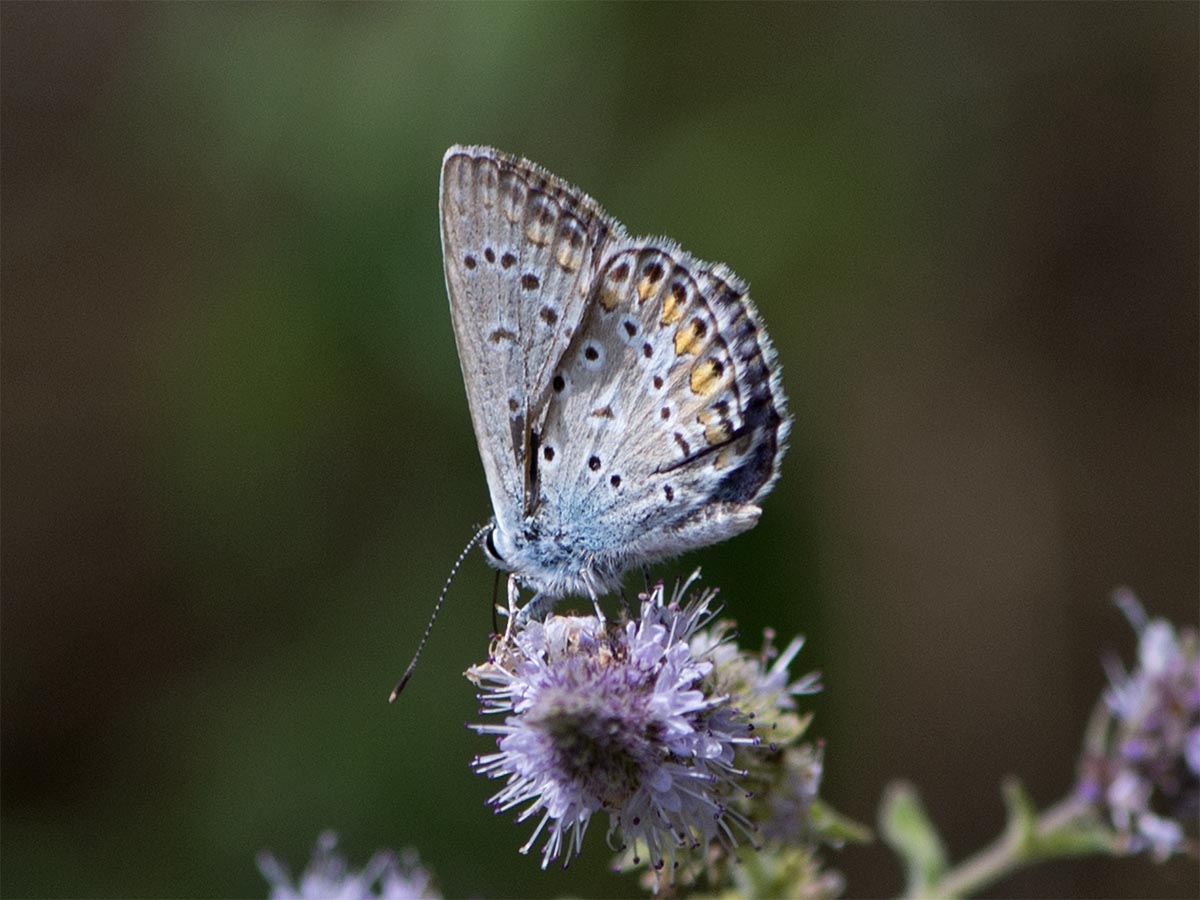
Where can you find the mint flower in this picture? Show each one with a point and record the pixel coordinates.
(328, 878)
(634, 720)
(1143, 760)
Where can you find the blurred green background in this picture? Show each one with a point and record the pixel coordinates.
(237, 459)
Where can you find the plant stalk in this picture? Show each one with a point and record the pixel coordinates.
(1011, 851)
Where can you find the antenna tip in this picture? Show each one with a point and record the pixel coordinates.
(399, 686)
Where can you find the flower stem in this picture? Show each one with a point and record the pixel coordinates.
(1025, 841)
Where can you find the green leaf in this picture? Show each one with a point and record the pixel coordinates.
(1078, 839)
(1022, 815)
(907, 830)
(836, 829)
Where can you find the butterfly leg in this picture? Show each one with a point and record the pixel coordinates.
(497, 609)
(626, 608)
(535, 610)
(514, 614)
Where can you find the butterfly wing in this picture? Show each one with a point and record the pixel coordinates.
(667, 419)
(520, 249)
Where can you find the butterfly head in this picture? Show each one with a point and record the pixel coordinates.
(493, 543)
(513, 550)
(551, 566)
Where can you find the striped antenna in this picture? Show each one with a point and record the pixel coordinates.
(437, 607)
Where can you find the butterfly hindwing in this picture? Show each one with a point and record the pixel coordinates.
(666, 419)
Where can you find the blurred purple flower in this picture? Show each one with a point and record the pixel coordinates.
(1143, 765)
(328, 878)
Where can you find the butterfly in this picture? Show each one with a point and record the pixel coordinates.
(625, 396)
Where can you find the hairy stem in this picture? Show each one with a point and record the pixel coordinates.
(1014, 849)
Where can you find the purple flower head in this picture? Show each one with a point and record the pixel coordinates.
(1144, 767)
(630, 719)
(328, 877)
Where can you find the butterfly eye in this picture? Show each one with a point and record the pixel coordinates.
(489, 546)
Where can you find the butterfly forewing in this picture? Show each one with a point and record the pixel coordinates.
(520, 249)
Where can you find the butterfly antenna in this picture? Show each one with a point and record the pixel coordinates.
(437, 607)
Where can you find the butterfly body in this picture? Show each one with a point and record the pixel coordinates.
(625, 396)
